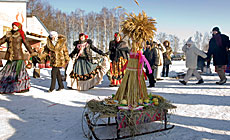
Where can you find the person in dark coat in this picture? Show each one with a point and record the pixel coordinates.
(118, 54)
(150, 54)
(218, 49)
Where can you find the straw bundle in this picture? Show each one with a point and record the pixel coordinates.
(139, 28)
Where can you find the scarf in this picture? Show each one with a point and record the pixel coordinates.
(218, 39)
(19, 25)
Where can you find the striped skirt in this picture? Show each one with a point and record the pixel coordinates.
(14, 77)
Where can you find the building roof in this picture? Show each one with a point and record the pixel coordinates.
(39, 21)
(14, 0)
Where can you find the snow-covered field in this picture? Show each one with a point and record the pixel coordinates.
(203, 111)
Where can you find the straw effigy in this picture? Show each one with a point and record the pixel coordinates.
(139, 28)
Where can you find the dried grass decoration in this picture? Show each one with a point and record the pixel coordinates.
(107, 108)
(139, 29)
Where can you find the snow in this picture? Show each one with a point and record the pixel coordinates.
(203, 111)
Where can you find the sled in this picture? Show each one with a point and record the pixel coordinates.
(91, 122)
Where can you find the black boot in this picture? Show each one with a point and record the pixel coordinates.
(221, 82)
(151, 85)
(201, 81)
(183, 82)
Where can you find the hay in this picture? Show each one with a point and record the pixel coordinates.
(129, 89)
(139, 28)
(96, 107)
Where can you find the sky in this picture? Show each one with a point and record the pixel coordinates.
(178, 17)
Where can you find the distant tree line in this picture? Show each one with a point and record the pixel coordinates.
(100, 27)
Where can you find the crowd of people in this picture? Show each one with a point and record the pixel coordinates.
(81, 73)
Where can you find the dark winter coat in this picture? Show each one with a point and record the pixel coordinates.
(59, 55)
(117, 50)
(151, 56)
(219, 53)
(14, 42)
(87, 53)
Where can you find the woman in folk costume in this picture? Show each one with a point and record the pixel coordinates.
(13, 76)
(82, 74)
(118, 54)
(133, 88)
(59, 57)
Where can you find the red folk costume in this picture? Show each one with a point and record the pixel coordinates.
(13, 76)
(119, 51)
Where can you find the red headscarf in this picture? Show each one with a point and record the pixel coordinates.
(116, 34)
(82, 34)
(19, 25)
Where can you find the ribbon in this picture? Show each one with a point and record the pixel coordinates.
(152, 118)
(141, 61)
(138, 122)
(122, 121)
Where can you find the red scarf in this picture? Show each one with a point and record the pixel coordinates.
(19, 25)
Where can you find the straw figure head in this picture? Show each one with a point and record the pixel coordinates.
(139, 28)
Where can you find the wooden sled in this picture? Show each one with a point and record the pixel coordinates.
(94, 126)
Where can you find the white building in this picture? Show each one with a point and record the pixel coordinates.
(15, 11)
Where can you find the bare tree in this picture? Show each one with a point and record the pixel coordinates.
(99, 26)
(161, 37)
(198, 39)
(205, 42)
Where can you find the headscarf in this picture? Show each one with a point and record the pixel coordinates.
(19, 25)
(82, 34)
(54, 34)
(116, 34)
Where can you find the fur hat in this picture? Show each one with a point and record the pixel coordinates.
(216, 29)
(189, 41)
(166, 41)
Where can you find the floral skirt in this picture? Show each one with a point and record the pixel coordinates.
(14, 77)
(116, 74)
(83, 75)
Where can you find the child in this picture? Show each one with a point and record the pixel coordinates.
(191, 53)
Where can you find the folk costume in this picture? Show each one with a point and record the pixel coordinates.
(82, 73)
(13, 76)
(119, 51)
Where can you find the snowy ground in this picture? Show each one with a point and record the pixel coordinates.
(203, 111)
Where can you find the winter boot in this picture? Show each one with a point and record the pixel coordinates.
(183, 82)
(221, 82)
(201, 81)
